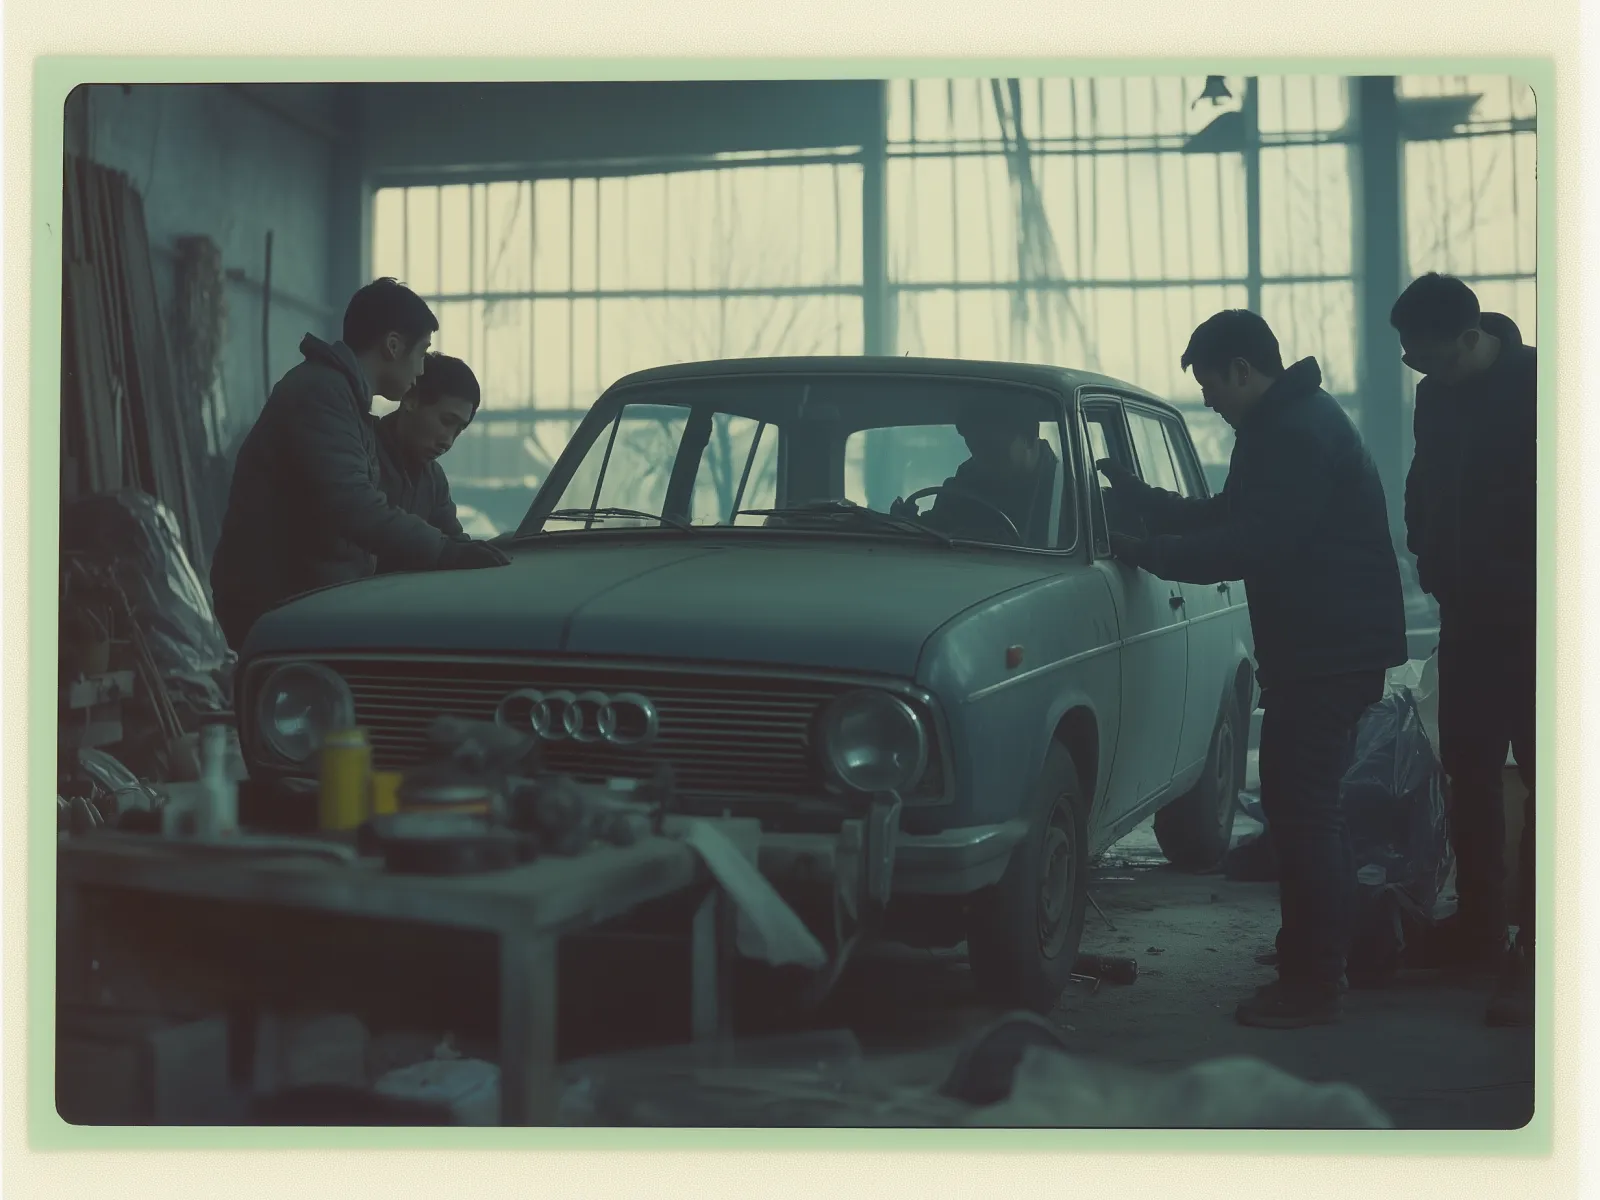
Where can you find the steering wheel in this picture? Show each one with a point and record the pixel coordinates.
(910, 503)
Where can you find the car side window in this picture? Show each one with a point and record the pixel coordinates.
(1191, 480)
(1107, 435)
(1150, 445)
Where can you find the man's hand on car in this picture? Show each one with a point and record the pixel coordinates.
(468, 556)
(1127, 549)
(1118, 475)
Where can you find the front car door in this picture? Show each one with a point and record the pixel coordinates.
(1155, 635)
(1167, 460)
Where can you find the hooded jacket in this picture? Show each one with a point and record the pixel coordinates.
(305, 507)
(1303, 522)
(1471, 498)
(420, 489)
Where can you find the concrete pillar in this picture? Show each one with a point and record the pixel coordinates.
(1378, 225)
(1251, 111)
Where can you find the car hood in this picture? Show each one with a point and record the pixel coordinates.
(857, 605)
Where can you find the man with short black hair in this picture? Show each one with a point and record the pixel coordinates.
(1303, 522)
(1471, 522)
(305, 509)
(412, 439)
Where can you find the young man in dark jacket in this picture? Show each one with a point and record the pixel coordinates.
(1302, 521)
(413, 438)
(305, 509)
(1471, 521)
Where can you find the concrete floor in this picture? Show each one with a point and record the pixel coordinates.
(1419, 1049)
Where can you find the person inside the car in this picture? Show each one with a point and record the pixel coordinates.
(412, 439)
(305, 509)
(1012, 471)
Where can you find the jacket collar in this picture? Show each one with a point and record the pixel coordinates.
(1302, 379)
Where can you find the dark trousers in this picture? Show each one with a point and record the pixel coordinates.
(1308, 740)
(1486, 707)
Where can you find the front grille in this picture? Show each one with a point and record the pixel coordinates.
(724, 736)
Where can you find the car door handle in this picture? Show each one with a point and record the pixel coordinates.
(1175, 601)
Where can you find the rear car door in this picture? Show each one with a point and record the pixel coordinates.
(1155, 645)
(1167, 460)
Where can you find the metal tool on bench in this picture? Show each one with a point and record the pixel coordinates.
(486, 803)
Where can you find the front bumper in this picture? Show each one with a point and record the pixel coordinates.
(956, 862)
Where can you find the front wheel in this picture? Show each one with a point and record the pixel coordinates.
(1023, 933)
(1195, 831)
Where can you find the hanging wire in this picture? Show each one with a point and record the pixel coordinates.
(838, 264)
(572, 286)
(1127, 216)
(988, 216)
(955, 215)
(1163, 269)
(1188, 218)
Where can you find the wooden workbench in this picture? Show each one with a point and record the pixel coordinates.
(527, 909)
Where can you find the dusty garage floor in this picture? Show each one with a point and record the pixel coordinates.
(1420, 1049)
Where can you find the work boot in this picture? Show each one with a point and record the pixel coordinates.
(1511, 1005)
(1291, 1006)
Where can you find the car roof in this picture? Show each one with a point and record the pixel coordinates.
(1039, 375)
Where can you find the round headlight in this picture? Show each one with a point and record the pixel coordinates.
(298, 705)
(873, 742)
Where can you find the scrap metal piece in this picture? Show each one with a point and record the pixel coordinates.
(768, 929)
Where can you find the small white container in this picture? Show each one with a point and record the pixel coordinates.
(217, 814)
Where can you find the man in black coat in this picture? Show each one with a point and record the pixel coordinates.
(1471, 521)
(412, 439)
(1303, 522)
(305, 509)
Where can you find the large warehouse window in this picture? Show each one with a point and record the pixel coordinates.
(1085, 222)
(1095, 222)
(1472, 199)
(555, 288)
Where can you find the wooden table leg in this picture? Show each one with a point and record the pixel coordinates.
(711, 951)
(530, 1091)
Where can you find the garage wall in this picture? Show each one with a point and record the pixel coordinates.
(211, 160)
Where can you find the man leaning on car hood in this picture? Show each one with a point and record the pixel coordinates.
(305, 509)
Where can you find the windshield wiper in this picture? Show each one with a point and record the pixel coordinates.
(830, 510)
(593, 514)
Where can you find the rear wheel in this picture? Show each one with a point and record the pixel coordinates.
(1023, 933)
(1195, 831)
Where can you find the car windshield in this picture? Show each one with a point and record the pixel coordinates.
(963, 459)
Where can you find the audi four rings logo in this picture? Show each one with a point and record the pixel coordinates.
(624, 720)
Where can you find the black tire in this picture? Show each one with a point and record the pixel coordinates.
(1195, 831)
(1023, 933)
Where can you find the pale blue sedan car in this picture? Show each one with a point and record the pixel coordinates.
(750, 571)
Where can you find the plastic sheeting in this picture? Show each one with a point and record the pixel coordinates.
(1053, 1090)
(1395, 803)
(137, 538)
(822, 1079)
